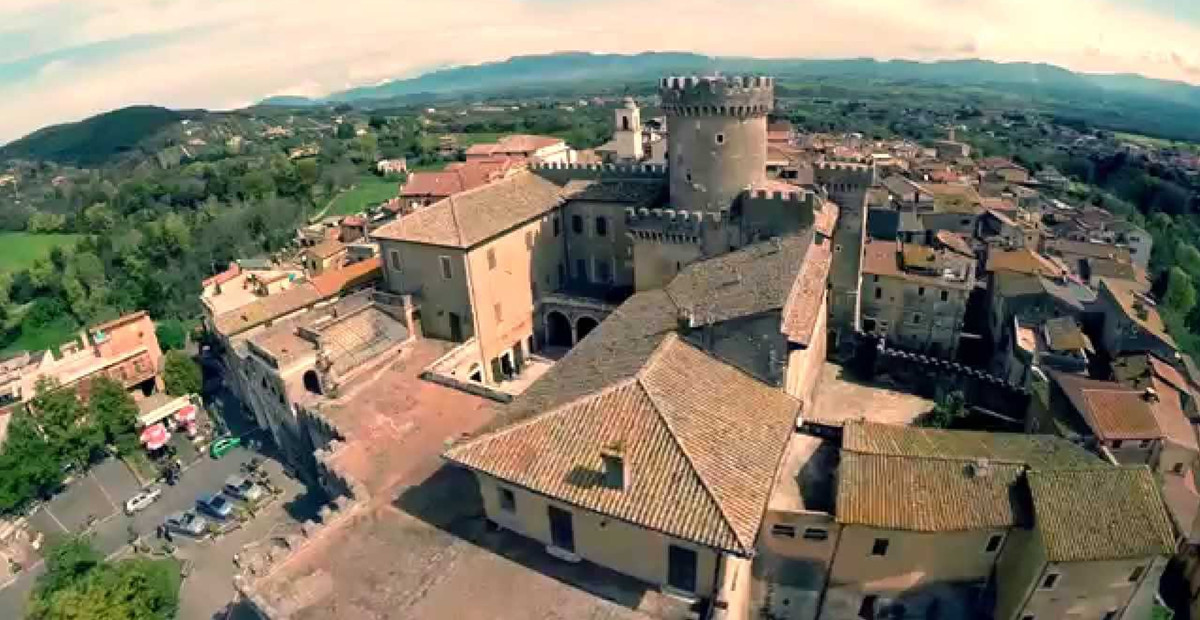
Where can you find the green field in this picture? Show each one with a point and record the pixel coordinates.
(19, 250)
(370, 190)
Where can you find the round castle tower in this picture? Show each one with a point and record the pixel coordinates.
(718, 137)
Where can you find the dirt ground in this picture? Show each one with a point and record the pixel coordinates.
(840, 397)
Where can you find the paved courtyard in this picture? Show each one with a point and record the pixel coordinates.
(841, 397)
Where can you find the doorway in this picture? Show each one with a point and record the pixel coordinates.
(456, 333)
(562, 529)
(681, 568)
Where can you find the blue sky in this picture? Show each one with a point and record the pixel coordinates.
(62, 60)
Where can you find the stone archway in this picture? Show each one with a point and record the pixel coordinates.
(584, 326)
(558, 330)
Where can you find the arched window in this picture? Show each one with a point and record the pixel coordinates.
(625, 123)
(312, 382)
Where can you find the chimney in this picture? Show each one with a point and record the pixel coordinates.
(616, 475)
(1150, 395)
(980, 468)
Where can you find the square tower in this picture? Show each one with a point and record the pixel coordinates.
(627, 132)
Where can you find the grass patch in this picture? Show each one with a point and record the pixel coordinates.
(370, 190)
(25, 337)
(19, 250)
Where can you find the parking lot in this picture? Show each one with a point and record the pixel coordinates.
(102, 494)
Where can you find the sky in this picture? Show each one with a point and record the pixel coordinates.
(62, 60)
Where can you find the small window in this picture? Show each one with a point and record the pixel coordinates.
(1028, 617)
(688, 176)
(838, 248)
(447, 273)
(1177, 468)
(491, 254)
(878, 292)
(916, 318)
(601, 226)
(557, 226)
(508, 501)
(816, 533)
(603, 271)
(577, 224)
(529, 239)
(783, 530)
(945, 295)
(1117, 444)
(880, 547)
(993, 543)
(499, 313)
(1049, 581)
(1145, 443)
(1136, 574)
(1110, 615)
(920, 291)
(395, 256)
(581, 269)
(875, 278)
(720, 138)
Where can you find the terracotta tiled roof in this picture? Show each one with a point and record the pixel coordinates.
(1126, 295)
(955, 242)
(520, 144)
(825, 217)
(326, 249)
(1111, 410)
(268, 308)
(1023, 260)
(925, 494)
(465, 219)
(701, 443)
(889, 258)
(335, 281)
(755, 279)
(1168, 412)
(954, 198)
(803, 307)
(1167, 373)
(1012, 448)
(230, 273)
(1096, 514)
(117, 322)
(1089, 249)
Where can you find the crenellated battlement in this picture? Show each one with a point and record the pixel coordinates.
(572, 172)
(799, 195)
(734, 96)
(671, 225)
(844, 175)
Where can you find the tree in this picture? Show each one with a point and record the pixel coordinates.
(948, 409)
(345, 131)
(171, 334)
(181, 374)
(111, 409)
(79, 584)
(61, 416)
(1181, 293)
(29, 465)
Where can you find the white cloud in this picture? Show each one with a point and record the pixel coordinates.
(223, 53)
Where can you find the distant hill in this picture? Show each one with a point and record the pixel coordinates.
(582, 66)
(1121, 102)
(94, 140)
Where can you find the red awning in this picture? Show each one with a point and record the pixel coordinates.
(186, 414)
(155, 436)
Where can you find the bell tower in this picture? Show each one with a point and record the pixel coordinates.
(628, 132)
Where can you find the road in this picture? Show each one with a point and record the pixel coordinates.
(213, 558)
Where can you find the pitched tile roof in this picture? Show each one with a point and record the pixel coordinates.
(466, 219)
(803, 307)
(326, 249)
(334, 281)
(825, 217)
(519, 144)
(1013, 448)
(1168, 412)
(752, 280)
(266, 309)
(1024, 261)
(1111, 410)
(702, 442)
(925, 495)
(1094, 514)
(1089, 249)
(916, 263)
(1128, 298)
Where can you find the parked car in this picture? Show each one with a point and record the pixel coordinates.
(243, 488)
(216, 505)
(187, 522)
(222, 446)
(142, 500)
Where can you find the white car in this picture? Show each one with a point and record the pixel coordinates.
(142, 500)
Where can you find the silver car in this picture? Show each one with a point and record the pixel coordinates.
(142, 500)
(243, 488)
(187, 522)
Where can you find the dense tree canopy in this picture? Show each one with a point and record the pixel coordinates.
(80, 585)
(181, 374)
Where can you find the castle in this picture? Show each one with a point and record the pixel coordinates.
(540, 259)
